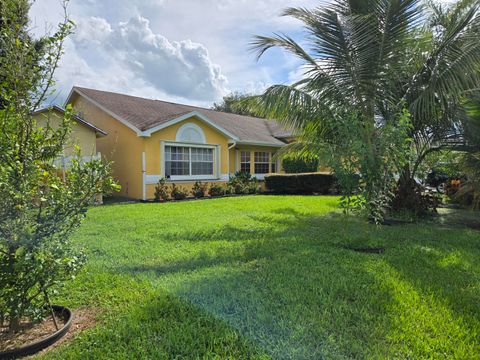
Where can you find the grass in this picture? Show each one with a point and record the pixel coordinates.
(270, 277)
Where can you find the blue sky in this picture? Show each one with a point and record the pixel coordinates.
(187, 51)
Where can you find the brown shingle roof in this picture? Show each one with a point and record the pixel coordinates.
(145, 114)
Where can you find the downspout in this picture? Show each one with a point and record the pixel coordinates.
(235, 157)
(144, 177)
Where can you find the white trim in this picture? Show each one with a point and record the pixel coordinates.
(217, 160)
(191, 126)
(154, 179)
(260, 177)
(104, 109)
(188, 144)
(144, 177)
(162, 159)
(260, 143)
(189, 115)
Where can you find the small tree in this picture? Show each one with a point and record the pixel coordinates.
(40, 209)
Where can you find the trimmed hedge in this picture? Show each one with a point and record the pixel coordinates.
(311, 183)
(299, 165)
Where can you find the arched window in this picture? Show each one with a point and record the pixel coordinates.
(190, 133)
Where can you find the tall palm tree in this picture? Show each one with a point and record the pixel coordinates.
(375, 58)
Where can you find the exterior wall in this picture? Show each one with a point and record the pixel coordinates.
(81, 135)
(121, 146)
(153, 160)
(137, 163)
(235, 154)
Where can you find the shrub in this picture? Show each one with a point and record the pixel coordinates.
(40, 209)
(243, 183)
(314, 183)
(294, 164)
(199, 189)
(179, 192)
(161, 190)
(217, 190)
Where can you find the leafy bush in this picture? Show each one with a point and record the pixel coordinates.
(295, 164)
(161, 190)
(217, 190)
(40, 209)
(243, 183)
(314, 183)
(199, 189)
(179, 192)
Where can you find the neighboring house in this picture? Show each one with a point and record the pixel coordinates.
(84, 135)
(151, 139)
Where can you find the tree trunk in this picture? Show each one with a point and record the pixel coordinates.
(14, 325)
(410, 196)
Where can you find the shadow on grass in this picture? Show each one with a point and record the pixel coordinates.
(286, 283)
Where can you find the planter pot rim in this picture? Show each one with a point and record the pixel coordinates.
(39, 345)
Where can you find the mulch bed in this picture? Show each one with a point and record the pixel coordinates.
(30, 332)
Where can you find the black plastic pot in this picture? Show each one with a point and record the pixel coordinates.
(39, 345)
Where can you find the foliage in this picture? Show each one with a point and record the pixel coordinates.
(40, 208)
(199, 189)
(246, 278)
(295, 164)
(233, 103)
(161, 191)
(178, 192)
(469, 192)
(243, 183)
(314, 183)
(217, 190)
(367, 61)
(445, 162)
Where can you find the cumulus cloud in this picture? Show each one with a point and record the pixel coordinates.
(130, 57)
(178, 50)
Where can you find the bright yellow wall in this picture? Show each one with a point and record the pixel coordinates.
(81, 135)
(213, 137)
(122, 146)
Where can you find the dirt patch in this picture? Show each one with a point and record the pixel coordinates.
(83, 318)
(30, 332)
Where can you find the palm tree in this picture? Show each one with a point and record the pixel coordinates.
(375, 58)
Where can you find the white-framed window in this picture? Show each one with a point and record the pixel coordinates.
(245, 160)
(262, 162)
(183, 162)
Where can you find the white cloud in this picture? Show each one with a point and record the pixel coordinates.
(179, 50)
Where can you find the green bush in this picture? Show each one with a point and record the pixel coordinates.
(314, 183)
(294, 164)
(217, 190)
(242, 183)
(199, 189)
(179, 192)
(161, 191)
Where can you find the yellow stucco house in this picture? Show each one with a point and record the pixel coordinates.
(83, 134)
(151, 139)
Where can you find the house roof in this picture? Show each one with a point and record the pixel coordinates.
(74, 117)
(147, 116)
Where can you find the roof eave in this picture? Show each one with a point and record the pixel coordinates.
(149, 132)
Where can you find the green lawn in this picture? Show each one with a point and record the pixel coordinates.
(270, 277)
